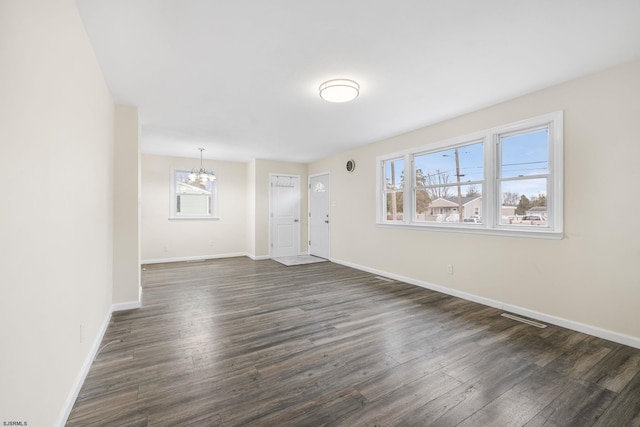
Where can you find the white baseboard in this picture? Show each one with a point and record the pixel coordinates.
(129, 305)
(204, 257)
(195, 258)
(77, 386)
(258, 257)
(565, 323)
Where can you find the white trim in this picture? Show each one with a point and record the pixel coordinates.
(129, 305)
(491, 211)
(258, 257)
(315, 175)
(193, 258)
(554, 122)
(271, 175)
(531, 233)
(82, 375)
(309, 209)
(214, 199)
(559, 321)
(190, 218)
(318, 174)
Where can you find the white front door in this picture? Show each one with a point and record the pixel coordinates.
(285, 215)
(319, 212)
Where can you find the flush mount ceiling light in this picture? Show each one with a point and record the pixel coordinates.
(339, 90)
(201, 175)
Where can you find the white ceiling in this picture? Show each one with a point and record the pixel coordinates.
(241, 77)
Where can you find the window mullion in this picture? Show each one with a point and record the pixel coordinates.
(521, 178)
(550, 177)
(382, 193)
(489, 190)
(409, 188)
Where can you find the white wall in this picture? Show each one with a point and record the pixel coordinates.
(243, 227)
(126, 212)
(243, 207)
(56, 233)
(177, 239)
(590, 277)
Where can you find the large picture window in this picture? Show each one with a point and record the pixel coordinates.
(503, 180)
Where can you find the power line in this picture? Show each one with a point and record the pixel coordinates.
(524, 163)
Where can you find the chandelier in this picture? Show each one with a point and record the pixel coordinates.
(201, 175)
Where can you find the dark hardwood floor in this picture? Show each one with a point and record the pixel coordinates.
(239, 342)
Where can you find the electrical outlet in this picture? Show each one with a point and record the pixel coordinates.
(166, 249)
(449, 268)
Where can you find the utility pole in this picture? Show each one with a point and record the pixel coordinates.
(459, 189)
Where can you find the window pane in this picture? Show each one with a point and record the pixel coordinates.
(394, 174)
(442, 204)
(394, 206)
(193, 205)
(441, 167)
(525, 154)
(184, 186)
(524, 202)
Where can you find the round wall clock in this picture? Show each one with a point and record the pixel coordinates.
(351, 165)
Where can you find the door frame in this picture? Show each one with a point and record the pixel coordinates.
(271, 175)
(309, 212)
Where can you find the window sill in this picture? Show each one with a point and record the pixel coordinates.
(502, 231)
(208, 218)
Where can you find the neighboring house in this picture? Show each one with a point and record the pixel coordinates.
(508, 211)
(192, 200)
(443, 207)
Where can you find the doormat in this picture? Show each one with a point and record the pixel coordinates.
(298, 260)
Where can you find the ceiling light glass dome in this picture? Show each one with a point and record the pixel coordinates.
(339, 90)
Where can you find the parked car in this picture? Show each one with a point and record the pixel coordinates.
(472, 220)
(532, 219)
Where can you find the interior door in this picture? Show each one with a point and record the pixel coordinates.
(285, 215)
(319, 215)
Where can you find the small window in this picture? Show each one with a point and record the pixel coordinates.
(393, 189)
(192, 198)
(523, 176)
(319, 187)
